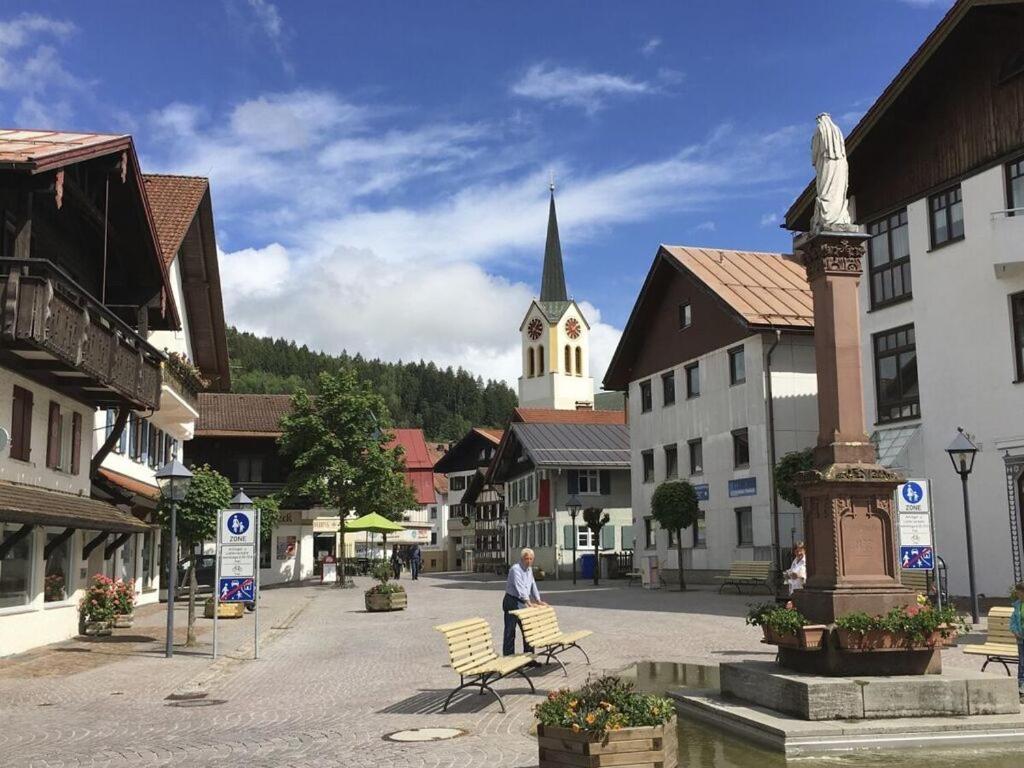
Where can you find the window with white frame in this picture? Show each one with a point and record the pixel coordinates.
(589, 482)
(584, 538)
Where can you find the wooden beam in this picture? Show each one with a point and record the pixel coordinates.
(96, 541)
(51, 547)
(115, 545)
(92, 211)
(11, 541)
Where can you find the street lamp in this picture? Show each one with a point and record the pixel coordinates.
(962, 452)
(573, 505)
(174, 480)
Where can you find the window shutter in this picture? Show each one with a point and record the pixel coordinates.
(76, 442)
(21, 424)
(573, 478)
(606, 482)
(608, 537)
(567, 536)
(627, 537)
(53, 437)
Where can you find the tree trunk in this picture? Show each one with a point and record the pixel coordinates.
(679, 554)
(193, 586)
(341, 548)
(597, 556)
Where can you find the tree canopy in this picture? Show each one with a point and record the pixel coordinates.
(787, 468)
(444, 402)
(674, 506)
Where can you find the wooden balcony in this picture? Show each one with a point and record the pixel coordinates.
(53, 331)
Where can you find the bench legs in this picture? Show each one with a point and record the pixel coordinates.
(484, 681)
(990, 659)
(580, 649)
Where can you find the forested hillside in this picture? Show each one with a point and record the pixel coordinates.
(444, 402)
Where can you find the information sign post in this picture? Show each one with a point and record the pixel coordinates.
(917, 530)
(236, 578)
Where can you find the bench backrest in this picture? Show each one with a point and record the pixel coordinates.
(760, 569)
(999, 626)
(469, 643)
(915, 579)
(539, 624)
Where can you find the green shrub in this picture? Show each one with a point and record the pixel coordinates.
(782, 621)
(607, 704)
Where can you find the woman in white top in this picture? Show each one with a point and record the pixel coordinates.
(797, 573)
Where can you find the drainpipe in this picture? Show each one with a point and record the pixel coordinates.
(770, 412)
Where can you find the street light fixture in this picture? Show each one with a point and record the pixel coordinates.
(174, 480)
(962, 452)
(573, 505)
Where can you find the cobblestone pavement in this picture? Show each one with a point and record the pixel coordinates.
(333, 680)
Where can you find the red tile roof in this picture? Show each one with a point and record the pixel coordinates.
(174, 201)
(229, 415)
(414, 446)
(766, 289)
(553, 416)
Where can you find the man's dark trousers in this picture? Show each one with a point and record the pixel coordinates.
(416, 568)
(509, 645)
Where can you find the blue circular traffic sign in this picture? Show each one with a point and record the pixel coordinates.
(238, 523)
(912, 493)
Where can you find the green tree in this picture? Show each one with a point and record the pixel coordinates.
(674, 506)
(269, 508)
(787, 468)
(337, 443)
(595, 520)
(208, 493)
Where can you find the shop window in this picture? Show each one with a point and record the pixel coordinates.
(16, 568)
(58, 573)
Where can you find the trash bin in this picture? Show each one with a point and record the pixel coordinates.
(587, 566)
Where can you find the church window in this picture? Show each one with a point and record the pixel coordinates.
(530, 371)
(540, 360)
(568, 359)
(579, 362)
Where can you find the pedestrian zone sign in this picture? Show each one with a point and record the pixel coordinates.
(238, 528)
(237, 590)
(917, 558)
(913, 496)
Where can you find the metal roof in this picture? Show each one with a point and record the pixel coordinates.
(575, 445)
(39, 150)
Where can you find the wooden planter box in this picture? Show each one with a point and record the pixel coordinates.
(225, 610)
(810, 638)
(123, 620)
(880, 640)
(396, 601)
(651, 746)
(99, 628)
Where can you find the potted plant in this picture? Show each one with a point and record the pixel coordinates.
(606, 722)
(385, 595)
(786, 627)
(914, 627)
(124, 603)
(96, 608)
(53, 588)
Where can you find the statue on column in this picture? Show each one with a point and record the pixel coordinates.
(828, 155)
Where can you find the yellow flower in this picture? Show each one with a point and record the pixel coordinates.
(922, 600)
(590, 718)
(575, 728)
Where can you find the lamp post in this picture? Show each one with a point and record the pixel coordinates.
(962, 452)
(174, 480)
(573, 505)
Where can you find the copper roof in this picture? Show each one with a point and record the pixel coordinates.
(174, 201)
(494, 435)
(765, 289)
(554, 416)
(130, 484)
(42, 150)
(230, 415)
(28, 504)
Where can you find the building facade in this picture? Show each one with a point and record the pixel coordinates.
(942, 297)
(717, 360)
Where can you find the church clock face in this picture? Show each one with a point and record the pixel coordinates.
(572, 328)
(534, 329)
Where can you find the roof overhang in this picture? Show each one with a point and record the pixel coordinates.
(30, 505)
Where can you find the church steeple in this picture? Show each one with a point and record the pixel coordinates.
(552, 282)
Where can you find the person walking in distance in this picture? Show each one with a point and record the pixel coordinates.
(396, 563)
(520, 592)
(415, 561)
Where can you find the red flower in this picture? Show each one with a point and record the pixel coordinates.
(913, 610)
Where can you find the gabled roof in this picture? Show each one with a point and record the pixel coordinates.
(464, 454)
(414, 448)
(765, 289)
(596, 446)
(494, 435)
(556, 416)
(231, 415)
(38, 151)
(174, 201)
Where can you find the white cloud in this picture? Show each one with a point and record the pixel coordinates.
(769, 219)
(576, 87)
(651, 46)
(927, 3)
(270, 21)
(706, 226)
(31, 70)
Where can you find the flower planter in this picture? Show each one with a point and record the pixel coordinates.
(882, 640)
(99, 628)
(394, 601)
(124, 621)
(951, 635)
(224, 610)
(809, 638)
(655, 746)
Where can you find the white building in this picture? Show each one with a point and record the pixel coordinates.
(937, 179)
(717, 360)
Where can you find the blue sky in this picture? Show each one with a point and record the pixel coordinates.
(379, 170)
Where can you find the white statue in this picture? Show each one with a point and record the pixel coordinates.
(828, 155)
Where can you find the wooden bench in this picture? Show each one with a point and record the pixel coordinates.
(471, 653)
(750, 573)
(1000, 643)
(922, 582)
(541, 631)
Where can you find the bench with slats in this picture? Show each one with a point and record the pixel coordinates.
(748, 573)
(541, 631)
(1000, 643)
(471, 653)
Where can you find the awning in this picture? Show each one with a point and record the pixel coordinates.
(30, 505)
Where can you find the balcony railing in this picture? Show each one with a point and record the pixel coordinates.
(61, 332)
(1008, 241)
(182, 385)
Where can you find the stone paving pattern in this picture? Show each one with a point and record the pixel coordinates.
(333, 680)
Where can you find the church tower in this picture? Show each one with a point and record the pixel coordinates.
(555, 338)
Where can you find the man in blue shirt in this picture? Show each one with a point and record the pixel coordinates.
(520, 592)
